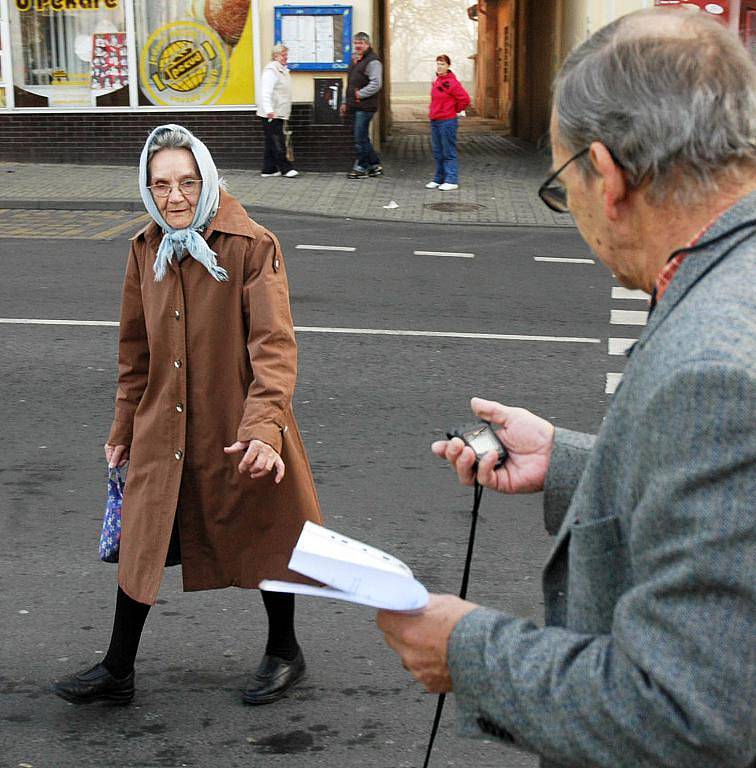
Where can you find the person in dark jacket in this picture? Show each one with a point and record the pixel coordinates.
(448, 99)
(364, 81)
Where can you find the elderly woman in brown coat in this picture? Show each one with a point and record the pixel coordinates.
(218, 477)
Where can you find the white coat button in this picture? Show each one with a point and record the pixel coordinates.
(180, 407)
(178, 455)
(177, 315)
(177, 363)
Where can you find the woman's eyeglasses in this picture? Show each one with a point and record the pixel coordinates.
(553, 192)
(187, 187)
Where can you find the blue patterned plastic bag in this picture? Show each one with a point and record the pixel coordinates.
(110, 538)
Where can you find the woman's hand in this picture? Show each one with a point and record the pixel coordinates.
(528, 439)
(259, 458)
(116, 455)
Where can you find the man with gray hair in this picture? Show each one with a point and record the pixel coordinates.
(364, 81)
(646, 658)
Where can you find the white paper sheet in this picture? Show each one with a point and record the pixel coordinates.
(324, 51)
(352, 571)
(404, 606)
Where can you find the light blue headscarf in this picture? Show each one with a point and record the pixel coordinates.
(176, 241)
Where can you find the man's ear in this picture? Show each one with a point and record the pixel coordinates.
(613, 183)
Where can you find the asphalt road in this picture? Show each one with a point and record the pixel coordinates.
(368, 406)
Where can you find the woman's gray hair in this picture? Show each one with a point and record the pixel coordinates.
(173, 138)
(671, 94)
(170, 138)
(277, 50)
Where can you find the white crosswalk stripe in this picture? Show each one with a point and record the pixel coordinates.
(612, 382)
(618, 346)
(626, 293)
(628, 317)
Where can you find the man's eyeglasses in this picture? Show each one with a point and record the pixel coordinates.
(552, 191)
(187, 187)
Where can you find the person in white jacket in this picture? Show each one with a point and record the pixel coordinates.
(274, 111)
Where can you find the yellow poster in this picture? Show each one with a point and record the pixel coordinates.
(195, 53)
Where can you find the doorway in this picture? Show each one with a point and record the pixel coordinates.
(417, 32)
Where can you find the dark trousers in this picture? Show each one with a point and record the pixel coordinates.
(366, 156)
(274, 151)
(444, 140)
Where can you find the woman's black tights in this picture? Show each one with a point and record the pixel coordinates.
(131, 615)
(282, 641)
(127, 630)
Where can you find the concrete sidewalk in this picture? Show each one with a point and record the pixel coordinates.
(499, 179)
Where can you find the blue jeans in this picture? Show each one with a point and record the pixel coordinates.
(366, 157)
(444, 140)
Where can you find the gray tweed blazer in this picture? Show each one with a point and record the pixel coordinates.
(648, 656)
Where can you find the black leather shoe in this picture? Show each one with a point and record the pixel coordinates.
(95, 684)
(273, 678)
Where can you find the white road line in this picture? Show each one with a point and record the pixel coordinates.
(450, 335)
(620, 346)
(628, 317)
(612, 382)
(445, 253)
(357, 331)
(626, 293)
(564, 261)
(346, 248)
(29, 321)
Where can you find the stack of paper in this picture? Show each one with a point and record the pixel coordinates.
(351, 571)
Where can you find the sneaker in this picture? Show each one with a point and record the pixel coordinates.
(446, 187)
(376, 170)
(357, 175)
(270, 175)
(291, 174)
(432, 185)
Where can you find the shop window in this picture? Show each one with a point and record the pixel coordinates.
(69, 54)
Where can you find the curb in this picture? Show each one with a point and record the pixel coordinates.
(136, 206)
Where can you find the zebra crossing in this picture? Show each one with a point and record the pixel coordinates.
(628, 322)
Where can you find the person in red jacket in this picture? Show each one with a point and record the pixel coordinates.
(448, 99)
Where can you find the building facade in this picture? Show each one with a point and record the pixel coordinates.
(85, 80)
(521, 44)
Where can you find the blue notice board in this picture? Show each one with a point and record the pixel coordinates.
(319, 37)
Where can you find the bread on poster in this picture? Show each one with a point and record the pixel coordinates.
(227, 18)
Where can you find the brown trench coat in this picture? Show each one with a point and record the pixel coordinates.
(201, 364)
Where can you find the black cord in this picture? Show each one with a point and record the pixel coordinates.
(462, 593)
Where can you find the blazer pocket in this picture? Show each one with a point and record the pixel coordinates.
(597, 574)
(594, 538)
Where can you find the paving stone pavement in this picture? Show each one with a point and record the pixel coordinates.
(499, 179)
